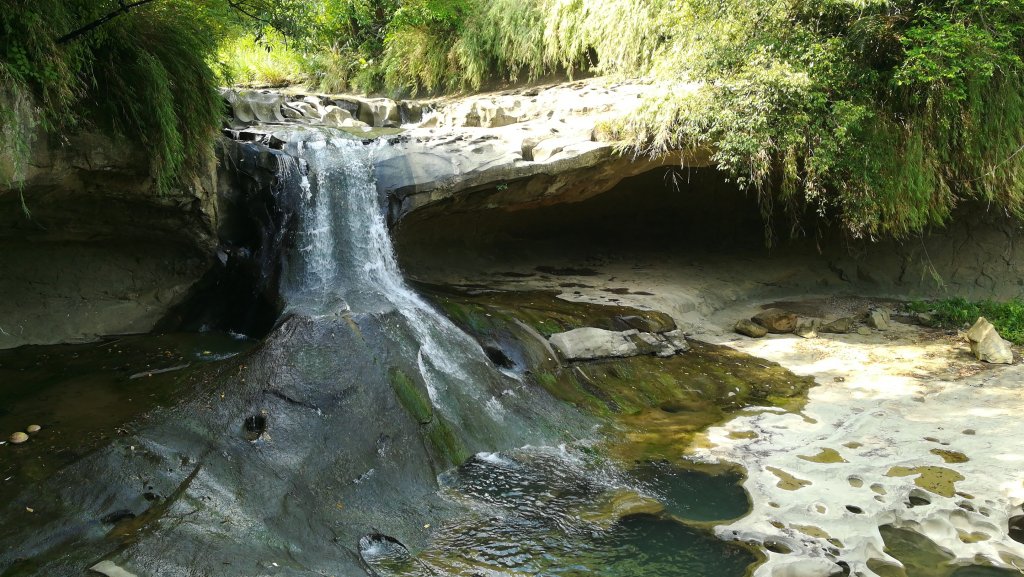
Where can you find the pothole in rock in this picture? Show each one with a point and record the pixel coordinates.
(255, 427)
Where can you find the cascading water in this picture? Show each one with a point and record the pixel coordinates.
(345, 261)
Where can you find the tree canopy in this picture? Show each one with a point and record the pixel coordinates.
(877, 115)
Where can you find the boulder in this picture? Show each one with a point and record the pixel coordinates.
(251, 106)
(291, 113)
(677, 339)
(335, 116)
(776, 320)
(378, 111)
(308, 110)
(751, 329)
(410, 112)
(878, 319)
(987, 345)
(592, 343)
(839, 326)
(807, 328)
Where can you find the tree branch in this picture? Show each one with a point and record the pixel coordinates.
(100, 22)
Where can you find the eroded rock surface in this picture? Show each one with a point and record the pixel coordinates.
(516, 149)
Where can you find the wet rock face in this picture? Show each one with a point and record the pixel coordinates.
(240, 292)
(343, 448)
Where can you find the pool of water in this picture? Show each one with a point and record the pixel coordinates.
(83, 395)
(554, 512)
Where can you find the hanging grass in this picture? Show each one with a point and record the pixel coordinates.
(143, 75)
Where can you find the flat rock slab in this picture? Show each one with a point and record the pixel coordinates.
(591, 343)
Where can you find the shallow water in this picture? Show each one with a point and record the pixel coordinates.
(558, 512)
(84, 395)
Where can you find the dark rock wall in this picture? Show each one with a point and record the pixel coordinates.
(696, 212)
(102, 251)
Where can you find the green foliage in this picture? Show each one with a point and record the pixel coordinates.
(955, 313)
(883, 115)
(145, 73)
(247, 60)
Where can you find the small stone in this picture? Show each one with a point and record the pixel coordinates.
(987, 345)
(776, 320)
(863, 331)
(18, 438)
(751, 329)
(839, 326)
(32, 429)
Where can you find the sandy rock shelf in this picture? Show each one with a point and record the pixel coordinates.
(904, 429)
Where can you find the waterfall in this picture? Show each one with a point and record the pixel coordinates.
(345, 261)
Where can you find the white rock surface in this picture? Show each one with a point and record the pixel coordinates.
(906, 404)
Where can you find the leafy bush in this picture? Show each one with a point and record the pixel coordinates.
(955, 313)
(247, 60)
(144, 74)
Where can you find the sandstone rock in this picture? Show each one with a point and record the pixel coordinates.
(18, 438)
(987, 345)
(378, 111)
(353, 123)
(750, 328)
(335, 116)
(291, 113)
(251, 106)
(592, 343)
(839, 326)
(864, 331)
(776, 320)
(807, 328)
(878, 319)
(308, 111)
(410, 112)
(109, 569)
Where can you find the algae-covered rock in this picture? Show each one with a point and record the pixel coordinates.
(751, 329)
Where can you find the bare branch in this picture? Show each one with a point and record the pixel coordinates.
(100, 22)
